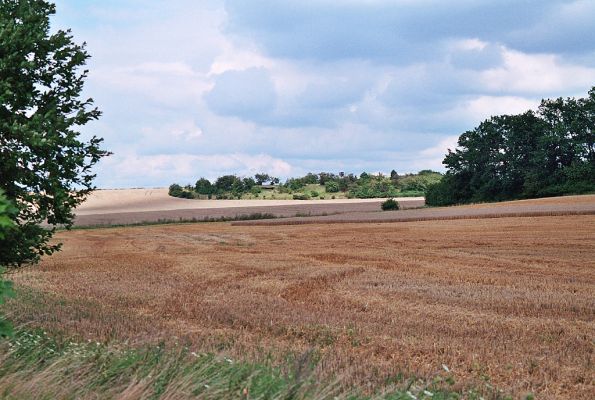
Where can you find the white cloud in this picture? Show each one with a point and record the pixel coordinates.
(431, 157)
(536, 74)
(356, 87)
(483, 107)
(130, 169)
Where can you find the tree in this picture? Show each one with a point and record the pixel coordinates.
(6, 213)
(262, 178)
(203, 186)
(248, 183)
(331, 186)
(45, 167)
(227, 183)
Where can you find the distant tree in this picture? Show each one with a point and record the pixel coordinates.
(394, 175)
(226, 183)
(310, 179)
(175, 190)
(248, 183)
(332, 187)
(45, 167)
(262, 178)
(323, 177)
(203, 186)
(295, 183)
(275, 181)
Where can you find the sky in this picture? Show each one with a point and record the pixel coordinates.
(192, 89)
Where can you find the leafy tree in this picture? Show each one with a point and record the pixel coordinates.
(7, 212)
(325, 177)
(332, 186)
(203, 186)
(310, 179)
(248, 183)
(262, 178)
(226, 183)
(175, 190)
(45, 167)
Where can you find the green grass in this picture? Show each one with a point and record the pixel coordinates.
(34, 365)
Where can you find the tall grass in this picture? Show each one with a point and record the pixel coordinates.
(34, 365)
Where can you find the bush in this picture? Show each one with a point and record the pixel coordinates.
(390, 204)
(314, 193)
(175, 190)
(301, 197)
(331, 187)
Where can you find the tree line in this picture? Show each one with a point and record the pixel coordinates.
(548, 152)
(365, 185)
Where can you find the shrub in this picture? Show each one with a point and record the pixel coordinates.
(175, 190)
(390, 204)
(314, 193)
(331, 187)
(300, 196)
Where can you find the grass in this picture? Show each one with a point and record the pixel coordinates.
(34, 365)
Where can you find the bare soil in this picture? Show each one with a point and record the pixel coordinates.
(134, 206)
(556, 206)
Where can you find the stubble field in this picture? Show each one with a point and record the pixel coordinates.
(506, 303)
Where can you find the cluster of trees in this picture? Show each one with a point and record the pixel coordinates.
(362, 186)
(368, 185)
(224, 187)
(549, 152)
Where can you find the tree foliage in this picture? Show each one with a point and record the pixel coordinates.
(534, 154)
(389, 205)
(365, 186)
(7, 212)
(45, 167)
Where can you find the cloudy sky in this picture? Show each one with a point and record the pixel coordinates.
(204, 88)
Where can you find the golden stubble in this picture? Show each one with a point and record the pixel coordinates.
(509, 300)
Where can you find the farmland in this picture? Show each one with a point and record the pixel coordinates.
(130, 206)
(502, 302)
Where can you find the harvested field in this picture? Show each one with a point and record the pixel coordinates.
(508, 302)
(133, 206)
(556, 206)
